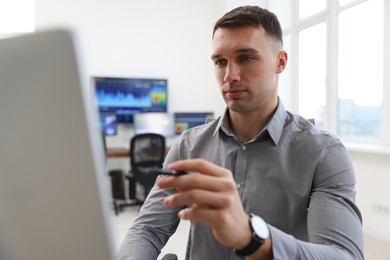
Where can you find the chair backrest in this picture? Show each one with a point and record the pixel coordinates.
(147, 150)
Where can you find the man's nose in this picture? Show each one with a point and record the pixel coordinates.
(232, 72)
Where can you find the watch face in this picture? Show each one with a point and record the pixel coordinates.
(260, 227)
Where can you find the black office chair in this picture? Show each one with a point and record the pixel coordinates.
(117, 178)
(118, 189)
(146, 151)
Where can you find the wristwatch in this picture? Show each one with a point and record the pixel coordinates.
(260, 234)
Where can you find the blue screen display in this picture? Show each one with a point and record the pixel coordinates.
(127, 96)
(108, 122)
(186, 120)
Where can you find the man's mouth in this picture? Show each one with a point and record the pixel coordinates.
(234, 93)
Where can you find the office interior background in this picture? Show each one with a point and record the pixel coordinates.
(338, 53)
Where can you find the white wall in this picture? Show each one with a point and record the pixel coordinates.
(373, 192)
(149, 38)
(171, 39)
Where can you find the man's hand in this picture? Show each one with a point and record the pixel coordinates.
(211, 198)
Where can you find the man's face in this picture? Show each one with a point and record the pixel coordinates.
(247, 64)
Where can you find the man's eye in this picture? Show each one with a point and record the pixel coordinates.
(220, 62)
(246, 58)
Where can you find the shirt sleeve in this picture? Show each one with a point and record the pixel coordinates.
(334, 222)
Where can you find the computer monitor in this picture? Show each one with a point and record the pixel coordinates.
(55, 193)
(108, 122)
(159, 123)
(186, 120)
(128, 96)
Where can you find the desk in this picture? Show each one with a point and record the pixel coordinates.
(117, 152)
(122, 152)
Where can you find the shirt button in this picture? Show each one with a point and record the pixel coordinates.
(238, 186)
(243, 148)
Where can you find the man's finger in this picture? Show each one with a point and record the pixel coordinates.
(201, 166)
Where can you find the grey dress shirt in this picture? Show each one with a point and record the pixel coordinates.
(299, 179)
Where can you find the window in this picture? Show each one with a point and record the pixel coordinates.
(339, 57)
(309, 7)
(360, 70)
(312, 73)
(345, 2)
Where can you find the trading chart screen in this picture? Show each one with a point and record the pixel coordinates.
(128, 96)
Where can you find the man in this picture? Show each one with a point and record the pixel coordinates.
(296, 182)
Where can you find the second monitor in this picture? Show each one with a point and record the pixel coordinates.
(158, 123)
(186, 120)
(169, 124)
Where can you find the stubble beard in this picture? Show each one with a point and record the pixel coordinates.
(239, 106)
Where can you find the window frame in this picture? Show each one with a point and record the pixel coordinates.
(330, 16)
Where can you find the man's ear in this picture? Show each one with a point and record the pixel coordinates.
(282, 61)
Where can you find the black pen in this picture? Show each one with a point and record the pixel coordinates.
(168, 172)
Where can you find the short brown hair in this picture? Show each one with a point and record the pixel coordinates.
(252, 16)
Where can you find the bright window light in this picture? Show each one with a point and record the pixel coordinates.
(360, 85)
(310, 7)
(312, 73)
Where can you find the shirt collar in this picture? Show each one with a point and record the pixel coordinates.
(223, 124)
(274, 127)
(276, 124)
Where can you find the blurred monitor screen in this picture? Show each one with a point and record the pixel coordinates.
(128, 96)
(159, 123)
(186, 120)
(108, 122)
